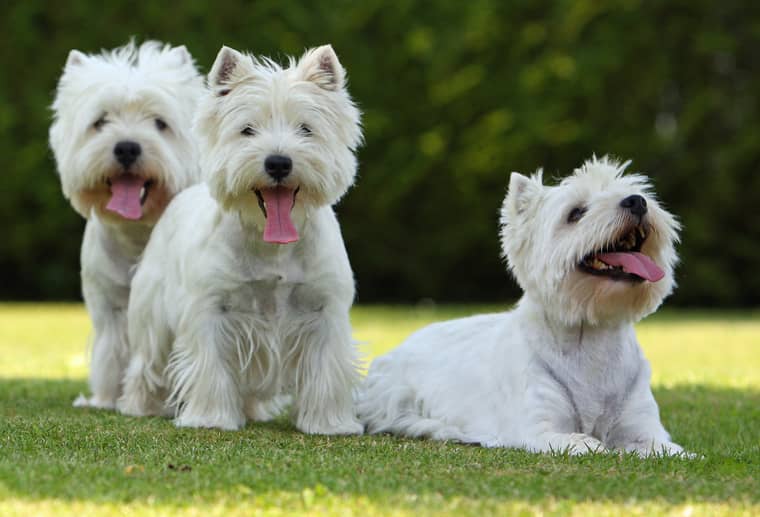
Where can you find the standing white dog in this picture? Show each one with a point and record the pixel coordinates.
(245, 288)
(563, 371)
(122, 140)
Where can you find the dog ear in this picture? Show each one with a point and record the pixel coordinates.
(180, 55)
(75, 58)
(321, 66)
(229, 67)
(522, 191)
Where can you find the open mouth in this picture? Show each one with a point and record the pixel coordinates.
(144, 191)
(276, 204)
(128, 194)
(624, 260)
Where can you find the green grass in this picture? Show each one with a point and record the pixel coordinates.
(55, 460)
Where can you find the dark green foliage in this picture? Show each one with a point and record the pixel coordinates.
(455, 96)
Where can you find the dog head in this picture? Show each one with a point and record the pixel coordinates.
(121, 133)
(277, 142)
(596, 248)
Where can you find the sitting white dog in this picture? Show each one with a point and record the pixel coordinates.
(244, 292)
(123, 143)
(563, 371)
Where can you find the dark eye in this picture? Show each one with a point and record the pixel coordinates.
(161, 125)
(98, 124)
(305, 130)
(248, 131)
(575, 214)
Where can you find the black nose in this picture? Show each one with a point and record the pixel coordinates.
(278, 166)
(636, 204)
(126, 152)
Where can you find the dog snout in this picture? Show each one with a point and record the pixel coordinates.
(127, 152)
(635, 204)
(278, 166)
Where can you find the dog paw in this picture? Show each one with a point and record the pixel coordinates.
(264, 411)
(131, 406)
(580, 443)
(93, 402)
(223, 422)
(345, 427)
(665, 449)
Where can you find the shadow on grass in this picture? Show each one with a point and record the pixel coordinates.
(50, 450)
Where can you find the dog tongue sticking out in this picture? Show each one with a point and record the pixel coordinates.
(279, 227)
(125, 196)
(635, 263)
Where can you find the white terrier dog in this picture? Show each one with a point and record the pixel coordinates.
(244, 292)
(122, 141)
(563, 371)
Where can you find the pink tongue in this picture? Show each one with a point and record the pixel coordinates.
(279, 228)
(634, 262)
(125, 196)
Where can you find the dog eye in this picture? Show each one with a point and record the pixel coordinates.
(248, 131)
(161, 125)
(99, 123)
(575, 214)
(305, 130)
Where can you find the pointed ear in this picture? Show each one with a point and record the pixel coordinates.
(229, 67)
(522, 191)
(180, 56)
(321, 66)
(75, 58)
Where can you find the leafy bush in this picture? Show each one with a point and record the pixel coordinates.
(455, 96)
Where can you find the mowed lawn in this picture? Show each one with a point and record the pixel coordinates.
(57, 460)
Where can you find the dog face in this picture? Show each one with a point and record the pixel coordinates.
(278, 140)
(121, 134)
(595, 248)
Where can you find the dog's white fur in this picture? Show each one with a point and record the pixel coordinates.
(102, 100)
(561, 372)
(223, 324)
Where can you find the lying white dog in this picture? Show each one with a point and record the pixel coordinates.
(563, 371)
(244, 292)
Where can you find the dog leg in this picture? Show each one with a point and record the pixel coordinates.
(266, 410)
(107, 362)
(142, 396)
(639, 428)
(326, 372)
(150, 341)
(204, 378)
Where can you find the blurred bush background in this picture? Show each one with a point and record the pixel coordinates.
(455, 96)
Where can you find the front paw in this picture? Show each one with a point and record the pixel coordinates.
(230, 422)
(579, 443)
(344, 427)
(266, 410)
(137, 406)
(94, 402)
(663, 449)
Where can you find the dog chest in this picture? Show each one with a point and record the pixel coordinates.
(274, 296)
(593, 398)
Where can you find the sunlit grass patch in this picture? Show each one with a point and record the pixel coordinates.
(56, 460)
